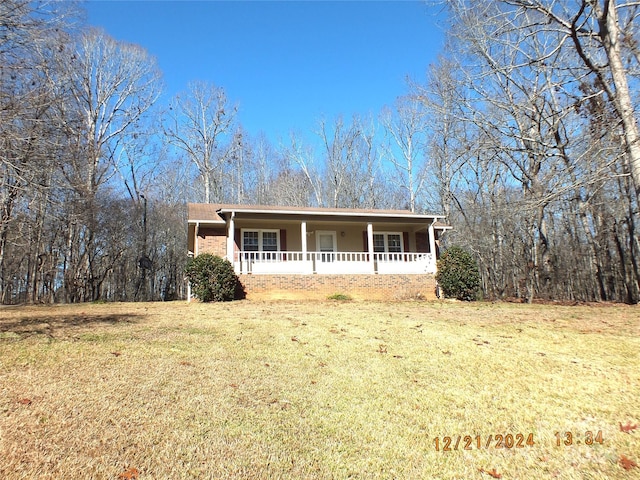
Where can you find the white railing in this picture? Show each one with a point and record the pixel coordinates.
(270, 257)
(333, 262)
(404, 263)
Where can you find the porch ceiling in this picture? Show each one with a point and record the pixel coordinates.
(332, 224)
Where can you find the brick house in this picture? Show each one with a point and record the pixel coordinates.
(293, 252)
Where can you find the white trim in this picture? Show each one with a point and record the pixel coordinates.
(208, 222)
(331, 213)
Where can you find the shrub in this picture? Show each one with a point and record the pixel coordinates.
(212, 278)
(458, 274)
(340, 297)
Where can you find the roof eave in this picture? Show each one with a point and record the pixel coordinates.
(329, 213)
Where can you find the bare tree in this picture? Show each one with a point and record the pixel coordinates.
(112, 86)
(198, 123)
(351, 164)
(406, 142)
(540, 145)
(31, 34)
(599, 33)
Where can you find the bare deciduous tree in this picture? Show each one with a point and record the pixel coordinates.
(111, 85)
(198, 123)
(597, 31)
(407, 136)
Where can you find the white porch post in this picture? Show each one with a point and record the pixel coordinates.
(231, 239)
(196, 230)
(432, 244)
(303, 232)
(370, 245)
(303, 241)
(196, 249)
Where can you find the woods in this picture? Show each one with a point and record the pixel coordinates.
(524, 133)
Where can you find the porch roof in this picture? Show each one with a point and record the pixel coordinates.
(214, 214)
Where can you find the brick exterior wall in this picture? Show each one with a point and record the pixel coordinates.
(319, 287)
(214, 241)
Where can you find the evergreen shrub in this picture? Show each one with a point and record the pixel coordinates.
(212, 278)
(458, 275)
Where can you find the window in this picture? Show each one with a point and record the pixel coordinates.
(260, 240)
(394, 242)
(269, 241)
(250, 241)
(378, 242)
(387, 242)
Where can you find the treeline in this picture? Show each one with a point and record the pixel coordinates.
(536, 145)
(520, 134)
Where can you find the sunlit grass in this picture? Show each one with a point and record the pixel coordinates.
(316, 390)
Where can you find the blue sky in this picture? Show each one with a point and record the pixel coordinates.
(285, 63)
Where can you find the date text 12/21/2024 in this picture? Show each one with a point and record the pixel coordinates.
(518, 440)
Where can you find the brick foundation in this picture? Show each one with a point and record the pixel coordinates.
(319, 287)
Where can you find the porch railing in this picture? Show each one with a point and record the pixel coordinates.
(333, 262)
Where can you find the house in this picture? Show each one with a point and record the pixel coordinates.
(293, 252)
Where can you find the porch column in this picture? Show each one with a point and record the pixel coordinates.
(303, 241)
(231, 239)
(196, 249)
(370, 245)
(432, 244)
(303, 232)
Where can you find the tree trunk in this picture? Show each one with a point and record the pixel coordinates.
(611, 36)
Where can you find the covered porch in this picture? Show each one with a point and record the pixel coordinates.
(289, 240)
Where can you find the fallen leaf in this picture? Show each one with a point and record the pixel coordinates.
(131, 474)
(628, 428)
(627, 463)
(25, 401)
(492, 473)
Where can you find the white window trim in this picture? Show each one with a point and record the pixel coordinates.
(260, 232)
(386, 240)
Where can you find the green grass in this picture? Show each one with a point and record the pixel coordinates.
(317, 390)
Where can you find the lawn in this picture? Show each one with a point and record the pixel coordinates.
(319, 390)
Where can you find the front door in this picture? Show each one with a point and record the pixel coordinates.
(326, 245)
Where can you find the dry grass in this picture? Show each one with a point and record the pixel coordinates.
(316, 390)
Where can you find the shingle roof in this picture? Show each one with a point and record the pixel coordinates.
(203, 212)
(208, 212)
